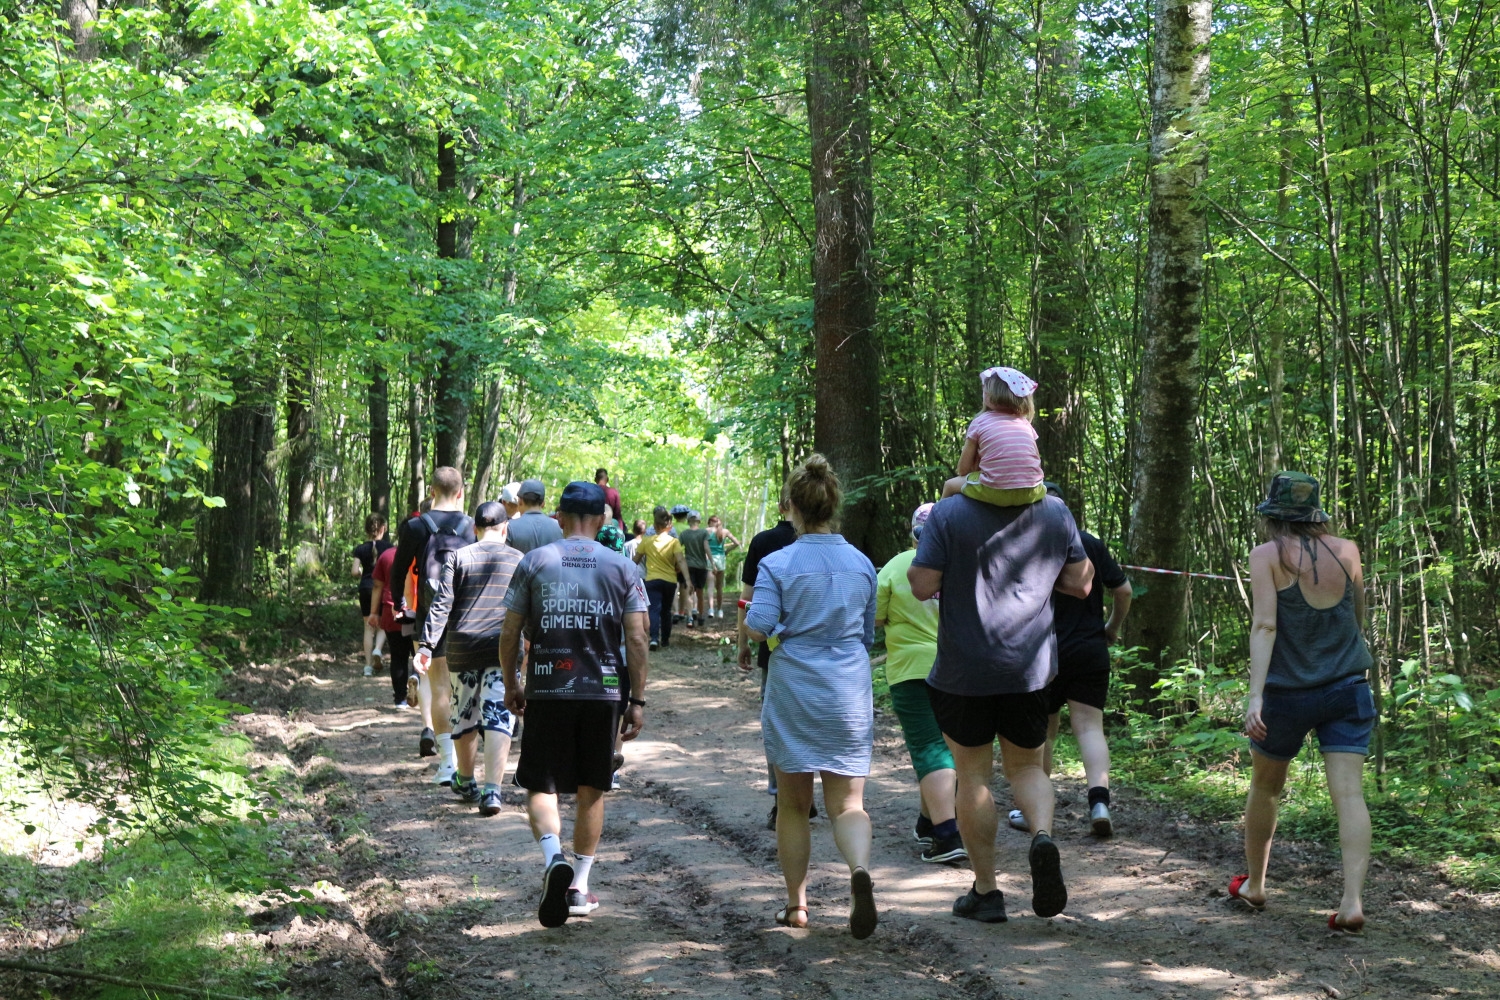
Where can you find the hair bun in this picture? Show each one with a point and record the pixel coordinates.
(817, 465)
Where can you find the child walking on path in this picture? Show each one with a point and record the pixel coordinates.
(1000, 463)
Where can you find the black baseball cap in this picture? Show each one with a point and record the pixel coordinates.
(583, 498)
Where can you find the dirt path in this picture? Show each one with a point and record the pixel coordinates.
(428, 899)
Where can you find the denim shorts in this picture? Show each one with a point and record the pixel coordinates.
(1342, 712)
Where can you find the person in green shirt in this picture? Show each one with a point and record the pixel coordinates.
(911, 628)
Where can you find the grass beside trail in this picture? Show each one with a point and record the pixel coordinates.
(176, 909)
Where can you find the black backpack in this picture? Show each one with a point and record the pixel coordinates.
(440, 542)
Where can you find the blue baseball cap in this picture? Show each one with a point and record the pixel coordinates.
(583, 498)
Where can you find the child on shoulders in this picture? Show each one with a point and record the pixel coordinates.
(1000, 462)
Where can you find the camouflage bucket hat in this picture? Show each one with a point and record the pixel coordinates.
(611, 537)
(1293, 496)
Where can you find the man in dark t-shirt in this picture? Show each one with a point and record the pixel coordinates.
(997, 568)
(448, 517)
(1082, 682)
(773, 539)
(581, 605)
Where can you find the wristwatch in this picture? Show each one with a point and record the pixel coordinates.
(637, 702)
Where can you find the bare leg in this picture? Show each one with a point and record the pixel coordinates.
(464, 748)
(370, 634)
(1029, 784)
(541, 813)
(496, 753)
(1267, 778)
(718, 601)
(794, 796)
(424, 699)
(442, 696)
(1088, 729)
(1346, 787)
(702, 602)
(937, 795)
(975, 808)
(844, 798)
(588, 824)
(1054, 723)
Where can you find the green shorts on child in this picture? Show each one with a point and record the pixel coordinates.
(1019, 497)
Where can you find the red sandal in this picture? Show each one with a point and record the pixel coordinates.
(1235, 885)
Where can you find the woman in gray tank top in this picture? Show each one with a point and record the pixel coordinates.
(1308, 672)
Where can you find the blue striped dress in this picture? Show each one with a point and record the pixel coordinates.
(817, 596)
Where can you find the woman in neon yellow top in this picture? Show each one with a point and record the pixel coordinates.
(661, 557)
(911, 628)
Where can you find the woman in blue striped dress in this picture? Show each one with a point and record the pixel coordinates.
(816, 600)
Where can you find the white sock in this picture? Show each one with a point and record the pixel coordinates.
(551, 847)
(445, 749)
(582, 864)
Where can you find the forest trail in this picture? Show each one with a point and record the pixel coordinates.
(441, 902)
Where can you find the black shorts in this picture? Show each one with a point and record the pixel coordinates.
(975, 720)
(567, 743)
(699, 576)
(365, 593)
(1082, 676)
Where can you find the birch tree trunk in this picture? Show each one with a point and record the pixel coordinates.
(847, 383)
(1162, 495)
(301, 484)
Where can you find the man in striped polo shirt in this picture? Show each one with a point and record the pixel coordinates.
(470, 606)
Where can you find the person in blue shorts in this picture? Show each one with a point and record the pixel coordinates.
(1309, 671)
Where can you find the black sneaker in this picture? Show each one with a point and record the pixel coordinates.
(771, 818)
(1048, 894)
(923, 831)
(427, 744)
(489, 803)
(946, 850)
(467, 789)
(987, 909)
(553, 911)
(655, 645)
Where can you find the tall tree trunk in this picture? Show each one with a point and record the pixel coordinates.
(489, 440)
(1059, 288)
(1172, 317)
(301, 518)
(416, 448)
(80, 16)
(379, 400)
(455, 380)
(240, 474)
(847, 417)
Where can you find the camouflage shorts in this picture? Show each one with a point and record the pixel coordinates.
(479, 702)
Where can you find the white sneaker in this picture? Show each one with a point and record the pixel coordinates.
(369, 670)
(1099, 821)
(1017, 820)
(445, 773)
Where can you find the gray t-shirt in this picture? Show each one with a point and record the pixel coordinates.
(695, 547)
(531, 530)
(999, 566)
(575, 594)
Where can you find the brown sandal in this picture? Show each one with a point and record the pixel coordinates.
(784, 917)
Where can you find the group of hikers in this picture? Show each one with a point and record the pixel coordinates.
(993, 619)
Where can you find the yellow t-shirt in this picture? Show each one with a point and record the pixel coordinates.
(911, 626)
(662, 552)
